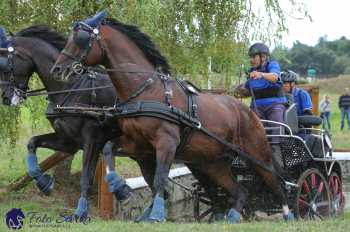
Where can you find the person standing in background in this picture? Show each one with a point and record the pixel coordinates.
(325, 107)
(344, 106)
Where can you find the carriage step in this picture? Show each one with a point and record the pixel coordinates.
(291, 184)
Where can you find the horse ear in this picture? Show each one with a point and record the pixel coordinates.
(3, 38)
(96, 20)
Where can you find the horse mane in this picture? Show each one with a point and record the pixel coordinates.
(45, 33)
(143, 41)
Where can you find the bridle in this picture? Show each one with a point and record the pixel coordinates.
(93, 34)
(18, 90)
(90, 34)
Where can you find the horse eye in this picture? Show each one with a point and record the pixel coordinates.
(82, 39)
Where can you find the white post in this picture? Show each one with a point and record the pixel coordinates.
(209, 72)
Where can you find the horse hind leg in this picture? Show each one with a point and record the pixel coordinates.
(220, 173)
(217, 205)
(275, 185)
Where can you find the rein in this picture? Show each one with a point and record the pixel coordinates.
(37, 92)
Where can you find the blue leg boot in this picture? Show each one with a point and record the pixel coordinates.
(158, 210)
(82, 210)
(218, 216)
(145, 215)
(43, 181)
(118, 186)
(233, 216)
(289, 216)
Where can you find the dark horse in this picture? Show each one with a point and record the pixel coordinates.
(35, 49)
(132, 61)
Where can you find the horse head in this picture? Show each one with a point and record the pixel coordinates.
(16, 67)
(84, 47)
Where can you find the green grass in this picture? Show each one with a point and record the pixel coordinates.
(53, 206)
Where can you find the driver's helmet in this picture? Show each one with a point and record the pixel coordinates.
(288, 76)
(258, 48)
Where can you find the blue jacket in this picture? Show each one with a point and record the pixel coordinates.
(302, 100)
(264, 86)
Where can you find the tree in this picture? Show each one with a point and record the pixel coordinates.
(188, 32)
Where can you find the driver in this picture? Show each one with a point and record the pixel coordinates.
(265, 87)
(299, 96)
(264, 84)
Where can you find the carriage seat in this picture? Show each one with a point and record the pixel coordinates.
(291, 118)
(309, 120)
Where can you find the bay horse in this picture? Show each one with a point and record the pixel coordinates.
(34, 50)
(140, 73)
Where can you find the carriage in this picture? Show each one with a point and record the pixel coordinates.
(314, 178)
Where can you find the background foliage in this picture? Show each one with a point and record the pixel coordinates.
(329, 58)
(187, 32)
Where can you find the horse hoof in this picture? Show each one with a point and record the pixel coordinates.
(158, 211)
(45, 184)
(289, 217)
(233, 216)
(81, 212)
(155, 220)
(125, 194)
(144, 217)
(218, 217)
(80, 218)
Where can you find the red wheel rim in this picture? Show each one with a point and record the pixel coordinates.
(337, 194)
(313, 199)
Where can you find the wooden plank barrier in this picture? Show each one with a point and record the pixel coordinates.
(105, 198)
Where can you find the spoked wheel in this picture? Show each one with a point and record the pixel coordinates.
(202, 205)
(337, 194)
(313, 199)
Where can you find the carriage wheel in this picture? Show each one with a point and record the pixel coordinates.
(313, 199)
(199, 201)
(337, 194)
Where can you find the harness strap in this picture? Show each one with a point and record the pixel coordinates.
(93, 95)
(140, 90)
(170, 114)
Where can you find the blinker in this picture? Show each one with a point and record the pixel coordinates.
(82, 39)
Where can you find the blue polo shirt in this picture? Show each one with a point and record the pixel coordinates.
(261, 83)
(302, 100)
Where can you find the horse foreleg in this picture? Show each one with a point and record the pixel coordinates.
(116, 183)
(51, 141)
(165, 152)
(148, 167)
(90, 157)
